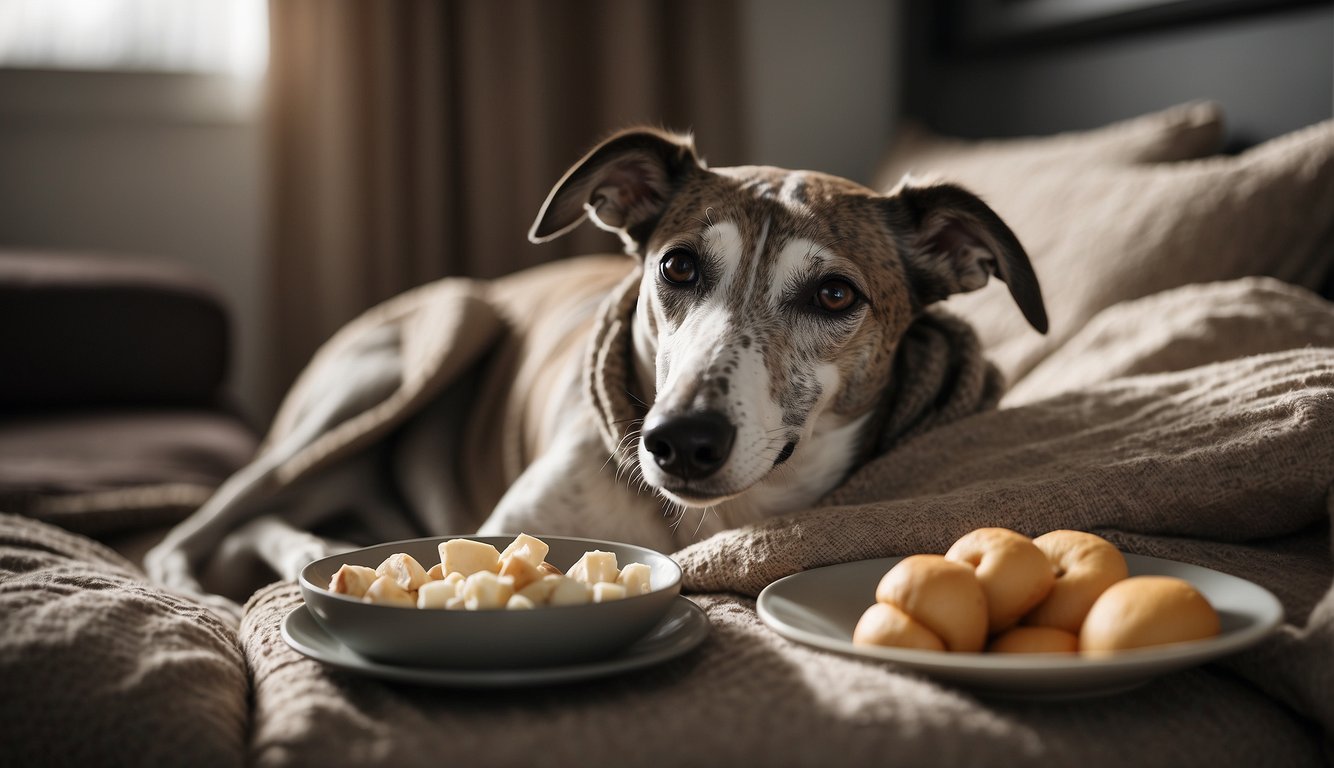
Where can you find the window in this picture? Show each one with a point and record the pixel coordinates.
(211, 36)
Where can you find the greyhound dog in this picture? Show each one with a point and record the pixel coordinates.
(740, 364)
(767, 317)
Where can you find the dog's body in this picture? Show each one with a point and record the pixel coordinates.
(744, 359)
(768, 315)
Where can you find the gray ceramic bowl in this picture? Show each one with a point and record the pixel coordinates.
(499, 639)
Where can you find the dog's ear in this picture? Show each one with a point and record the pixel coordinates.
(955, 243)
(623, 185)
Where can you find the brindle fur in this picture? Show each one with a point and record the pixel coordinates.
(901, 251)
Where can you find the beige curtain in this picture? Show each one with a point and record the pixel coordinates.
(412, 140)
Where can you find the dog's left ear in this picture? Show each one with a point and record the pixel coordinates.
(956, 243)
(623, 185)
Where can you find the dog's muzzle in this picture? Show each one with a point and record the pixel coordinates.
(691, 446)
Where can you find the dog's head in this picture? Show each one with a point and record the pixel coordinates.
(772, 304)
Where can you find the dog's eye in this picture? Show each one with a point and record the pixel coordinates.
(678, 267)
(835, 295)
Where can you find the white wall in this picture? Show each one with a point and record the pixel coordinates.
(821, 82)
(150, 164)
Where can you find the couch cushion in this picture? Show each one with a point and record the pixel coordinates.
(88, 330)
(1182, 132)
(1102, 226)
(97, 471)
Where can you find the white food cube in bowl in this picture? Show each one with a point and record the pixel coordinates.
(519, 603)
(529, 549)
(604, 592)
(352, 580)
(436, 594)
(404, 569)
(577, 630)
(519, 570)
(635, 577)
(567, 591)
(485, 591)
(594, 567)
(539, 591)
(468, 556)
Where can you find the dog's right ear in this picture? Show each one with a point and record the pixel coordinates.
(623, 185)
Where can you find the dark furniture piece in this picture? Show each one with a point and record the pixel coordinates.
(112, 410)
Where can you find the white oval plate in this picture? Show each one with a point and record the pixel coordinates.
(820, 607)
(684, 627)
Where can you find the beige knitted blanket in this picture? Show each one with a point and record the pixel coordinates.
(1227, 465)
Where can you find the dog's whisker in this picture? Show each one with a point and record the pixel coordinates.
(623, 468)
(680, 515)
(629, 437)
(625, 451)
(615, 456)
(622, 453)
(700, 524)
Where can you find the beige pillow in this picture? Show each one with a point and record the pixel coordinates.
(1101, 228)
(1182, 328)
(1186, 131)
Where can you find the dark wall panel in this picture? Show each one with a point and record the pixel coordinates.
(1273, 72)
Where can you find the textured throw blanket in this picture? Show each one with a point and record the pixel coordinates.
(411, 422)
(1196, 424)
(1226, 465)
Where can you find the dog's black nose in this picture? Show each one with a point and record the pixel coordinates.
(690, 447)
